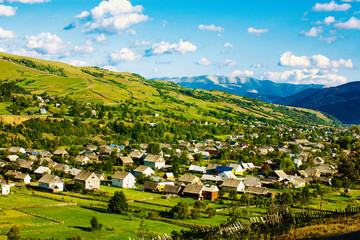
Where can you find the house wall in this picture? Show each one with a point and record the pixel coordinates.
(5, 189)
(59, 185)
(92, 184)
(210, 195)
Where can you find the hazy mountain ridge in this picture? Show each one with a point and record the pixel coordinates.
(265, 90)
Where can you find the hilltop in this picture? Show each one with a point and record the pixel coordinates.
(99, 86)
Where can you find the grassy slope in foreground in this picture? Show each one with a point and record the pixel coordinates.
(92, 84)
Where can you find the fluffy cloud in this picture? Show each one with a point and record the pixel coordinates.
(256, 65)
(85, 48)
(167, 48)
(211, 27)
(45, 43)
(100, 38)
(110, 16)
(7, 11)
(203, 62)
(331, 7)
(245, 73)
(257, 32)
(228, 44)
(229, 63)
(78, 63)
(317, 61)
(313, 32)
(352, 23)
(124, 54)
(305, 76)
(327, 39)
(6, 34)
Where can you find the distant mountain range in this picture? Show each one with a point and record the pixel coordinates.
(264, 90)
(342, 101)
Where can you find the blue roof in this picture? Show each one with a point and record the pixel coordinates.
(232, 143)
(113, 145)
(223, 169)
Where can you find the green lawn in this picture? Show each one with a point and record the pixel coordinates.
(131, 194)
(23, 200)
(77, 220)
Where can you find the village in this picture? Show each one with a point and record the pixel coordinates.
(196, 181)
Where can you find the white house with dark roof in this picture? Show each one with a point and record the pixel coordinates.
(147, 171)
(123, 180)
(154, 161)
(51, 182)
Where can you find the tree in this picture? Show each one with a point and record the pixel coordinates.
(181, 210)
(287, 198)
(95, 225)
(233, 195)
(14, 233)
(154, 148)
(118, 203)
(321, 191)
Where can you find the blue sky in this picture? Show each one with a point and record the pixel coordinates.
(292, 41)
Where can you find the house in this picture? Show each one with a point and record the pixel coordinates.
(136, 155)
(256, 190)
(311, 172)
(24, 164)
(17, 150)
(105, 150)
(252, 182)
(147, 171)
(169, 176)
(42, 111)
(238, 170)
(171, 189)
(126, 161)
(210, 169)
(319, 160)
(51, 182)
(297, 162)
(193, 191)
(233, 185)
(4, 187)
(220, 169)
(61, 152)
(12, 158)
(297, 182)
(40, 171)
(211, 178)
(226, 175)
(326, 169)
(183, 143)
(198, 169)
(210, 192)
(82, 160)
(279, 175)
(88, 179)
(100, 175)
(189, 179)
(22, 177)
(154, 161)
(61, 167)
(150, 187)
(123, 180)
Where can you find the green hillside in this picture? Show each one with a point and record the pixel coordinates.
(99, 86)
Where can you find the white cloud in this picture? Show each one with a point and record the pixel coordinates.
(78, 63)
(2, 49)
(85, 48)
(111, 16)
(317, 61)
(7, 11)
(111, 68)
(257, 32)
(83, 14)
(328, 20)
(305, 76)
(313, 32)
(138, 43)
(155, 70)
(124, 54)
(6, 34)
(101, 38)
(352, 23)
(228, 44)
(229, 63)
(246, 73)
(288, 59)
(45, 43)
(28, 53)
(211, 27)
(203, 61)
(28, 1)
(331, 7)
(167, 48)
(350, 0)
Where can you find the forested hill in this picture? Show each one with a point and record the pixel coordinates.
(129, 91)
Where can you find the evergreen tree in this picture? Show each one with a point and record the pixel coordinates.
(118, 203)
(14, 233)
